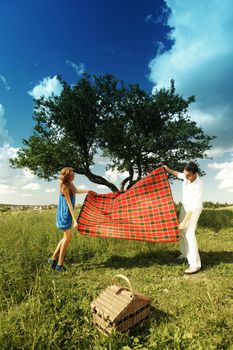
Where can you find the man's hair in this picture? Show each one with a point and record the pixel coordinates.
(191, 166)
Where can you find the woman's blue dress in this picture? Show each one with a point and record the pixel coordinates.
(64, 218)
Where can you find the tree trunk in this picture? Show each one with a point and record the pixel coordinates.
(129, 178)
(124, 182)
(100, 180)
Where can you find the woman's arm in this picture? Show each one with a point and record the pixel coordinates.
(77, 190)
(67, 197)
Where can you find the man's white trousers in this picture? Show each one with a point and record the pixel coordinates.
(188, 242)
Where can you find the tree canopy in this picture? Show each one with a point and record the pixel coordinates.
(136, 130)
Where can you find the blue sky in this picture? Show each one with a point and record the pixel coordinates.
(146, 42)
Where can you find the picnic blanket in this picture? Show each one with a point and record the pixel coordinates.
(145, 212)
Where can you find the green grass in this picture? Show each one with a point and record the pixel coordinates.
(43, 309)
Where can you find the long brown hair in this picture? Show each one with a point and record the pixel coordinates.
(64, 179)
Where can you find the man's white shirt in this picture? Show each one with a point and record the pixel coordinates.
(192, 193)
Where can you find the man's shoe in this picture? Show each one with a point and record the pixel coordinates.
(52, 263)
(191, 270)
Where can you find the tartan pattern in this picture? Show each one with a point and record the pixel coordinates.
(145, 212)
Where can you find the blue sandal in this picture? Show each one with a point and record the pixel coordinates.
(60, 268)
(53, 263)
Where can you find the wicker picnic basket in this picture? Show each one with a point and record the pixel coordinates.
(119, 308)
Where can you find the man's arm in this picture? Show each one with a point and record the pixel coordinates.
(173, 172)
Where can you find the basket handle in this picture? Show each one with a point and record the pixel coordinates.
(125, 279)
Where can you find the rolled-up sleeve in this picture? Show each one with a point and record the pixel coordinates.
(181, 176)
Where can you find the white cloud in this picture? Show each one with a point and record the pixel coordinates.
(6, 172)
(224, 175)
(46, 87)
(160, 47)
(50, 190)
(26, 195)
(32, 186)
(28, 174)
(225, 165)
(4, 138)
(101, 186)
(215, 152)
(2, 111)
(160, 16)
(79, 68)
(114, 175)
(20, 186)
(148, 18)
(226, 184)
(200, 61)
(3, 79)
(7, 189)
(12, 179)
(101, 160)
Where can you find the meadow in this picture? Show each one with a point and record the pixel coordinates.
(45, 309)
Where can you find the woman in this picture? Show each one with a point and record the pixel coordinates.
(65, 214)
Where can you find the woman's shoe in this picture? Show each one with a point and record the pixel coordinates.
(60, 268)
(53, 263)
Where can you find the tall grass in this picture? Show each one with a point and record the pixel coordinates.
(44, 309)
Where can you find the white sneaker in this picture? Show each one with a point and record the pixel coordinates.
(190, 270)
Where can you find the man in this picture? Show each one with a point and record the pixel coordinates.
(189, 214)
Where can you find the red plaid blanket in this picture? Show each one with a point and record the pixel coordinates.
(145, 212)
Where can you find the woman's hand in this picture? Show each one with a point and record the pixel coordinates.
(75, 224)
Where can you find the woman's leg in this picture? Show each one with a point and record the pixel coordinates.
(64, 245)
(56, 253)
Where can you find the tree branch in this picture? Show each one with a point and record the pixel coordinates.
(100, 180)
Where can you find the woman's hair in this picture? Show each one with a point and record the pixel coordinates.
(64, 177)
(191, 166)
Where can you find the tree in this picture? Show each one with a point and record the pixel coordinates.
(136, 130)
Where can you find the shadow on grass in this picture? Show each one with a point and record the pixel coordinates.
(160, 316)
(164, 257)
(210, 259)
(160, 257)
(156, 317)
(87, 259)
(81, 256)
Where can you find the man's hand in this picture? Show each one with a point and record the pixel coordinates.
(182, 225)
(75, 224)
(170, 171)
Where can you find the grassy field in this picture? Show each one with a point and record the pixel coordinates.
(45, 309)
